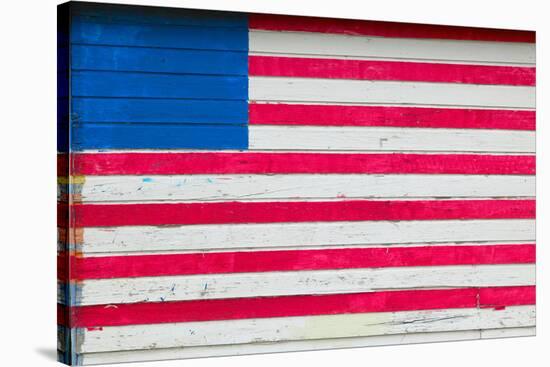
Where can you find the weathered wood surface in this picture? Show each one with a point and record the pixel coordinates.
(328, 138)
(396, 116)
(357, 47)
(243, 184)
(174, 162)
(301, 345)
(341, 91)
(300, 328)
(203, 237)
(359, 257)
(298, 186)
(294, 212)
(316, 25)
(221, 286)
(332, 68)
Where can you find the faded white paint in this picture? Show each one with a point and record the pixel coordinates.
(300, 345)
(283, 89)
(245, 331)
(239, 285)
(299, 186)
(322, 44)
(233, 236)
(389, 139)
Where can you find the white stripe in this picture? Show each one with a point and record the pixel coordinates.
(388, 92)
(299, 186)
(508, 333)
(299, 345)
(389, 139)
(302, 43)
(200, 237)
(237, 285)
(299, 328)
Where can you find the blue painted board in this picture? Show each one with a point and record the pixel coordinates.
(159, 111)
(112, 58)
(132, 136)
(62, 138)
(62, 82)
(116, 84)
(112, 13)
(153, 35)
(63, 62)
(154, 78)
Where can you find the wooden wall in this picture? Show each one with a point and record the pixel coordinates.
(243, 183)
(129, 69)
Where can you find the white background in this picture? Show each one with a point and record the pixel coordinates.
(27, 180)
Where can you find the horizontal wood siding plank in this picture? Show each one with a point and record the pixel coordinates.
(389, 92)
(389, 70)
(301, 328)
(151, 136)
(301, 305)
(132, 59)
(269, 284)
(299, 345)
(113, 13)
(385, 29)
(243, 236)
(143, 85)
(159, 111)
(397, 116)
(351, 138)
(508, 333)
(105, 267)
(296, 186)
(316, 163)
(101, 215)
(333, 45)
(158, 35)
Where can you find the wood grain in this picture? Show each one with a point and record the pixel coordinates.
(297, 186)
(397, 116)
(173, 163)
(300, 345)
(269, 284)
(326, 45)
(302, 67)
(336, 91)
(301, 328)
(234, 236)
(106, 267)
(327, 138)
(385, 29)
(237, 212)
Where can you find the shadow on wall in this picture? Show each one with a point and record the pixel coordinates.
(48, 353)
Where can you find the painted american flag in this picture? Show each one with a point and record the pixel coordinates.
(240, 183)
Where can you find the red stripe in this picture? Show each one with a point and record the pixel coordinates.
(259, 163)
(63, 317)
(62, 214)
(385, 29)
(389, 70)
(493, 298)
(290, 260)
(333, 115)
(97, 215)
(286, 306)
(62, 165)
